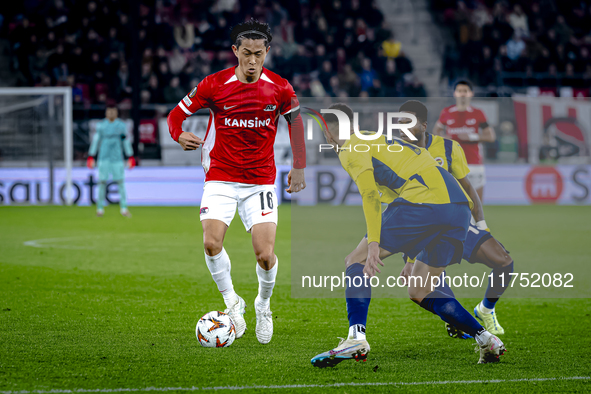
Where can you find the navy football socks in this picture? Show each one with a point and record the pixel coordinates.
(444, 287)
(358, 295)
(501, 280)
(452, 312)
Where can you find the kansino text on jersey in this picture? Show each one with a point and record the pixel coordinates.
(362, 147)
(253, 123)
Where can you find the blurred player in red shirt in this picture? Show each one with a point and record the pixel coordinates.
(463, 122)
(245, 103)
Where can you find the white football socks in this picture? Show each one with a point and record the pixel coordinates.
(483, 337)
(220, 266)
(266, 285)
(484, 309)
(357, 331)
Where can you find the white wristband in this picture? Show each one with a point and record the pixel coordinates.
(474, 137)
(481, 225)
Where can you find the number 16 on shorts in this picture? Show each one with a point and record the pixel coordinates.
(266, 202)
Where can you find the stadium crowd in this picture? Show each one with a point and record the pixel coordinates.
(542, 43)
(324, 48)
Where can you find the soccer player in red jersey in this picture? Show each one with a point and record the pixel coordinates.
(245, 103)
(462, 122)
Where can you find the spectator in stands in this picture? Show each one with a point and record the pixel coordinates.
(173, 92)
(122, 89)
(403, 64)
(349, 81)
(515, 47)
(390, 79)
(184, 34)
(367, 75)
(326, 73)
(66, 41)
(391, 47)
(164, 74)
(176, 61)
(413, 87)
(563, 31)
(485, 68)
(518, 21)
(542, 62)
(505, 62)
(316, 88)
(155, 90)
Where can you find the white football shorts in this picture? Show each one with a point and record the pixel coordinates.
(256, 203)
(477, 175)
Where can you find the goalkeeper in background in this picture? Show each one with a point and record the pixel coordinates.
(111, 142)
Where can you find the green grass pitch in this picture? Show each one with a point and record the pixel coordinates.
(112, 303)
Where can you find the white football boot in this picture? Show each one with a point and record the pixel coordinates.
(236, 313)
(489, 320)
(348, 349)
(491, 351)
(264, 328)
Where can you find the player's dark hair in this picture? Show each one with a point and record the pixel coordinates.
(252, 29)
(463, 82)
(332, 118)
(417, 108)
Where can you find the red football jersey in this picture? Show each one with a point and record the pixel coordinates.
(464, 122)
(242, 125)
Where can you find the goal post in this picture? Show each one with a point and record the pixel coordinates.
(17, 106)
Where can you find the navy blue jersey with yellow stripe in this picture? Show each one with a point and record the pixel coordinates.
(448, 154)
(400, 172)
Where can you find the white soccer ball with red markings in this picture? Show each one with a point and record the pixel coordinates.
(215, 329)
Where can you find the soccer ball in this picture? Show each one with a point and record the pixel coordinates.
(215, 329)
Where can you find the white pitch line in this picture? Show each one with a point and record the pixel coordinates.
(292, 386)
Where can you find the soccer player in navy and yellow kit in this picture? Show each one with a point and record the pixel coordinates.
(480, 246)
(427, 218)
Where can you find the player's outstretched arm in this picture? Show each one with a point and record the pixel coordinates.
(127, 148)
(296, 179)
(477, 210)
(370, 198)
(96, 139)
(439, 129)
(188, 141)
(198, 98)
(459, 169)
(488, 134)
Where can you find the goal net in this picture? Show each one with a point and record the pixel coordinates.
(36, 140)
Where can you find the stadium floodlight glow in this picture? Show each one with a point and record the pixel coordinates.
(41, 96)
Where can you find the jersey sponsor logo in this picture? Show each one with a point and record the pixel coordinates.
(471, 121)
(193, 92)
(203, 211)
(266, 213)
(439, 161)
(187, 101)
(270, 107)
(252, 123)
(226, 107)
(461, 130)
(450, 121)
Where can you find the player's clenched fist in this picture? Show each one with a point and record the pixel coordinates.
(295, 180)
(190, 141)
